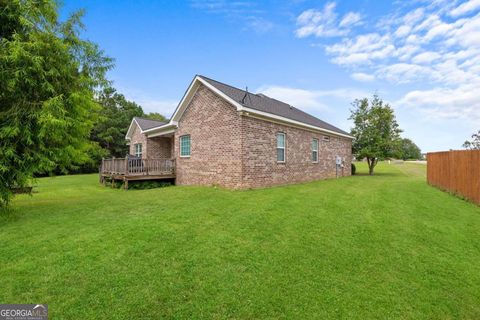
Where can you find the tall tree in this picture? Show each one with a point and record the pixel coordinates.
(376, 132)
(49, 77)
(115, 117)
(408, 150)
(474, 144)
(156, 116)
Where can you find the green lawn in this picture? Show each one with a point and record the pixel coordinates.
(387, 246)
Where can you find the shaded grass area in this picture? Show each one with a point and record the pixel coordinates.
(386, 246)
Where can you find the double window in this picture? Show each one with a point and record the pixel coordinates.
(314, 150)
(138, 150)
(280, 147)
(185, 146)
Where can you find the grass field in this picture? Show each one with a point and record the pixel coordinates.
(387, 246)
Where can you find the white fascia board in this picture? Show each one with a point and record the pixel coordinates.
(161, 133)
(221, 94)
(190, 93)
(159, 128)
(185, 100)
(193, 87)
(128, 135)
(287, 120)
(267, 114)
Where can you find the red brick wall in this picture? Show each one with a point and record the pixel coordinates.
(157, 147)
(261, 169)
(236, 151)
(160, 147)
(214, 128)
(138, 137)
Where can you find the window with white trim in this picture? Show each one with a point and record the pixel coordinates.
(185, 146)
(280, 147)
(314, 150)
(138, 150)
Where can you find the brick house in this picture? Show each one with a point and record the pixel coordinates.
(221, 135)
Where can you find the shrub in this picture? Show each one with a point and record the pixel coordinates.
(354, 169)
(142, 185)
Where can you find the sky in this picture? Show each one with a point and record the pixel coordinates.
(422, 57)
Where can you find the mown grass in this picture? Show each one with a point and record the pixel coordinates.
(387, 246)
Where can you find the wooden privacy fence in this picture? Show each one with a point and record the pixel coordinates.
(456, 171)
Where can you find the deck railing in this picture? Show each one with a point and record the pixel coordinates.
(134, 167)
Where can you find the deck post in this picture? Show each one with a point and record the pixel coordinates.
(126, 165)
(125, 183)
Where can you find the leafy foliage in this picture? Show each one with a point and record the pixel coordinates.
(115, 117)
(376, 132)
(408, 150)
(474, 144)
(156, 116)
(49, 79)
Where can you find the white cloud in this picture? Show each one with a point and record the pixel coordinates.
(462, 102)
(324, 23)
(246, 12)
(259, 25)
(310, 99)
(164, 107)
(424, 46)
(404, 72)
(363, 77)
(362, 49)
(350, 19)
(465, 7)
(426, 57)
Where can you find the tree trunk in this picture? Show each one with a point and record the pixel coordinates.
(372, 162)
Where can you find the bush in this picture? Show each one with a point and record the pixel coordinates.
(354, 169)
(142, 185)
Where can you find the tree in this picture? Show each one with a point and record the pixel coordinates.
(115, 117)
(474, 144)
(376, 131)
(408, 150)
(156, 116)
(49, 77)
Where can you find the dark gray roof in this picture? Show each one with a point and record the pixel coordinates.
(146, 124)
(266, 104)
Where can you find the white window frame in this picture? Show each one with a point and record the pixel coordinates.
(314, 151)
(138, 154)
(189, 146)
(284, 148)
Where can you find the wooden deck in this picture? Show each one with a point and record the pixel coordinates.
(131, 169)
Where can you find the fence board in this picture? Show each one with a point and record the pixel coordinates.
(456, 171)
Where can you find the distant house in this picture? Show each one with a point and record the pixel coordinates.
(221, 135)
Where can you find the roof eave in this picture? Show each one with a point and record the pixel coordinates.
(272, 117)
(167, 126)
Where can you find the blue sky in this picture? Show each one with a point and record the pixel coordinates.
(423, 57)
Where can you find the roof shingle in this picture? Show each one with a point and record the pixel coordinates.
(146, 124)
(264, 103)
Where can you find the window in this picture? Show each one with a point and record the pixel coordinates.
(185, 146)
(280, 147)
(315, 150)
(326, 138)
(138, 150)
